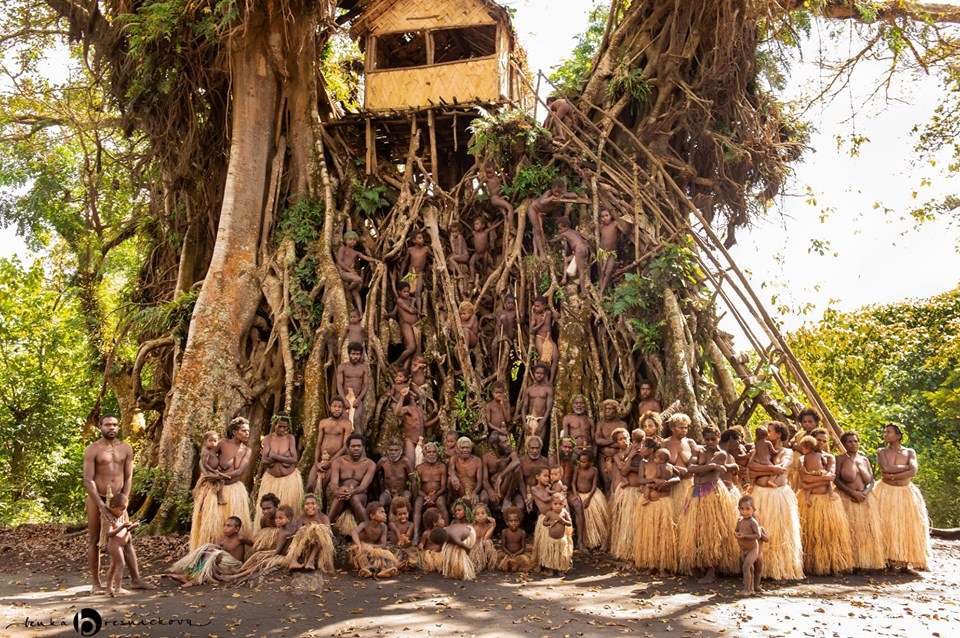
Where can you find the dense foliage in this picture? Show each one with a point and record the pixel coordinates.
(898, 363)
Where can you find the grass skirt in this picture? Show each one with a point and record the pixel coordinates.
(289, 489)
(409, 557)
(208, 516)
(265, 538)
(345, 523)
(521, 563)
(596, 521)
(904, 524)
(207, 563)
(260, 564)
(553, 553)
(455, 561)
(372, 557)
(793, 473)
(866, 539)
(777, 514)
(656, 545)
(681, 495)
(307, 537)
(431, 561)
(623, 521)
(483, 555)
(705, 536)
(825, 534)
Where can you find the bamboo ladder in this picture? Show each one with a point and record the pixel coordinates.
(718, 265)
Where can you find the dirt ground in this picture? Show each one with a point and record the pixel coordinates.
(41, 593)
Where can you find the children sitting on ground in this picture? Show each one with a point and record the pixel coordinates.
(211, 561)
(401, 533)
(312, 545)
(457, 540)
(429, 549)
(483, 554)
(513, 544)
(115, 537)
(369, 553)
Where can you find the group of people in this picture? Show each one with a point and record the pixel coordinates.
(778, 508)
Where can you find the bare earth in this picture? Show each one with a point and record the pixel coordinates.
(597, 598)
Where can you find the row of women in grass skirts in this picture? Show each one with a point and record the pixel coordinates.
(672, 507)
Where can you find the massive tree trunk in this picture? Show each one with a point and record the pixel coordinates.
(209, 389)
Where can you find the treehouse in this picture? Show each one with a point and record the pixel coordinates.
(426, 53)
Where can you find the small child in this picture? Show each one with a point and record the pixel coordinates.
(211, 562)
(369, 553)
(210, 473)
(456, 540)
(655, 472)
(483, 554)
(750, 535)
(596, 512)
(401, 533)
(460, 512)
(555, 553)
(763, 453)
(267, 561)
(430, 550)
(813, 462)
(116, 538)
(556, 480)
(513, 544)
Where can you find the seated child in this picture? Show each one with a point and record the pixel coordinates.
(483, 554)
(117, 537)
(401, 533)
(266, 561)
(210, 562)
(210, 473)
(312, 544)
(369, 553)
(430, 550)
(457, 540)
(513, 544)
(750, 535)
(555, 553)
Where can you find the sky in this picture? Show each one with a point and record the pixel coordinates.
(873, 257)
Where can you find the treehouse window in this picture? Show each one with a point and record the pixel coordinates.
(401, 50)
(466, 43)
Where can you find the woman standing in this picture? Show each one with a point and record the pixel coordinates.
(824, 529)
(776, 506)
(681, 451)
(855, 482)
(905, 526)
(208, 515)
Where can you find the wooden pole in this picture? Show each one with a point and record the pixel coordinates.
(371, 151)
(434, 164)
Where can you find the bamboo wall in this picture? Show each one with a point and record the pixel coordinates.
(411, 15)
(469, 81)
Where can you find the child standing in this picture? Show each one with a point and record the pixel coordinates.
(115, 537)
(555, 553)
(750, 535)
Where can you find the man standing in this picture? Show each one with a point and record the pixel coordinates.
(107, 471)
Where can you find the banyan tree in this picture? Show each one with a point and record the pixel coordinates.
(258, 173)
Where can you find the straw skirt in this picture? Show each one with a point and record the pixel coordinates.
(207, 563)
(289, 489)
(455, 561)
(656, 542)
(866, 539)
(345, 523)
(825, 534)
(209, 517)
(777, 513)
(519, 563)
(431, 561)
(308, 537)
(705, 536)
(624, 531)
(484, 555)
(681, 495)
(596, 521)
(372, 557)
(552, 553)
(904, 524)
(265, 538)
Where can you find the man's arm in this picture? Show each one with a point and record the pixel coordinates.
(89, 468)
(128, 470)
(364, 386)
(341, 388)
(367, 479)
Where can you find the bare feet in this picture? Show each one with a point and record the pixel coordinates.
(119, 591)
(387, 573)
(709, 578)
(365, 573)
(141, 584)
(97, 588)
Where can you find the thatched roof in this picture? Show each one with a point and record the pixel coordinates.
(367, 11)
